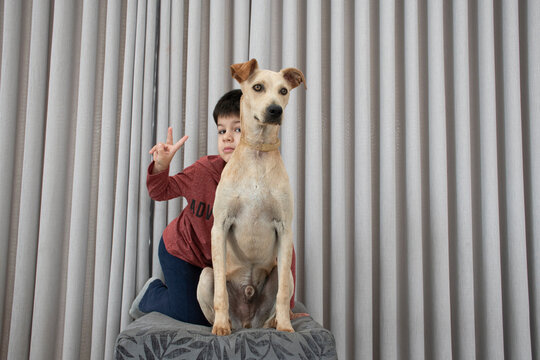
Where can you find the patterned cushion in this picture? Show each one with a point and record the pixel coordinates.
(157, 336)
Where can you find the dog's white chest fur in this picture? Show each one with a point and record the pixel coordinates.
(257, 205)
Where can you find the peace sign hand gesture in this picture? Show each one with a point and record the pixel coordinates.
(163, 153)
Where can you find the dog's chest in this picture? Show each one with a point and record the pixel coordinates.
(263, 198)
(263, 186)
(254, 191)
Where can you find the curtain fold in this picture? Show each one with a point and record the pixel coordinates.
(316, 270)
(513, 239)
(80, 209)
(292, 137)
(144, 252)
(415, 197)
(48, 311)
(490, 301)
(130, 265)
(162, 115)
(463, 299)
(413, 155)
(530, 87)
(438, 276)
(388, 235)
(24, 274)
(341, 178)
(107, 163)
(9, 85)
(364, 169)
(115, 309)
(194, 86)
(219, 60)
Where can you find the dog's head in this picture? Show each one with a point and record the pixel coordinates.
(265, 93)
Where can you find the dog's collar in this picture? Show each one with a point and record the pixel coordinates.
(260, 147)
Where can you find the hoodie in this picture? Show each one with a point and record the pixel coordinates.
(188, 236)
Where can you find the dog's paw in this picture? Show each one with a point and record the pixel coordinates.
(221, 329)
(270, 323)
(285, 327)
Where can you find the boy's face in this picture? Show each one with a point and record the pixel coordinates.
(228, 135)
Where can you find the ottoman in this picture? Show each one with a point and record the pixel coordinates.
(157, 336)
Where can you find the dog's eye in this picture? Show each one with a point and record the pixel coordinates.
(283, 91)
(257, 87)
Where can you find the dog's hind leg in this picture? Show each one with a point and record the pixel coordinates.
(205, 293)
(265, 303)
(266, 315)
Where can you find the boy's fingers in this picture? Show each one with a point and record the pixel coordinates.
(179, 144)
(169, 136)
(294, 316)
(156, 147)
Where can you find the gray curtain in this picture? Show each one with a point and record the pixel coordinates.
(414, 156)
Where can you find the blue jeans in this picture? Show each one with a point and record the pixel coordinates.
(178, 298)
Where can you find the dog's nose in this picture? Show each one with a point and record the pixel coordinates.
(274, 111)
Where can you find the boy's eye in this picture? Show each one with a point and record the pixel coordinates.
(221, 132)
(283, 91)
(257, 87)
(237, 130)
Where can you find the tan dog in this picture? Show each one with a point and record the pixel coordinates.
(253, 212)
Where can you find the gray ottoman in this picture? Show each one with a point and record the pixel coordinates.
(157, 336)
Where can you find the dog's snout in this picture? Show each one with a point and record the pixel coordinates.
(274, 111)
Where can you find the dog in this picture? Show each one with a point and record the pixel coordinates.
(251, 283)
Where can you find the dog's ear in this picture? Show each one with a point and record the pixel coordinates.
(242, 71)
(294, 77)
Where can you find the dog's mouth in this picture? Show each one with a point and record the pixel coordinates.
(273, 120)
(269, 120)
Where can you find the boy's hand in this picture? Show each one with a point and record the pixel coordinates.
(163, 153)
(297, 315)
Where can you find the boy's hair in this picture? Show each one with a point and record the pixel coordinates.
(228, 105)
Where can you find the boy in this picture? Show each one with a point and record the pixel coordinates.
(185, 247)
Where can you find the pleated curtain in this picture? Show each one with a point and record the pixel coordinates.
(413, 154)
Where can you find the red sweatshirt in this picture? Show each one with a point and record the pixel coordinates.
(188, 236)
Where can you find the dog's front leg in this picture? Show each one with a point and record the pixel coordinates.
(285, 284)
(222, 324)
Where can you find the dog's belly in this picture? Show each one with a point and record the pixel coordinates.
(253, 239)
(258, 214)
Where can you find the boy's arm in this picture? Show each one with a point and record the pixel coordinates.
(163, 187)
(160, 185)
